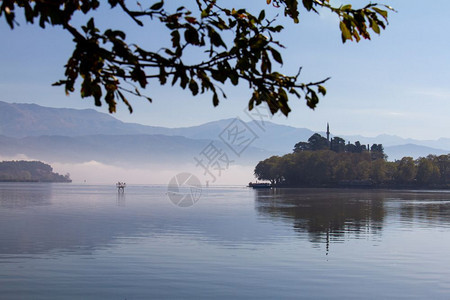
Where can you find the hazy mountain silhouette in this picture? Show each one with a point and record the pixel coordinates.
(24, 120)
(415, 151)
(21, 120)
(78, 134)
(129, 150)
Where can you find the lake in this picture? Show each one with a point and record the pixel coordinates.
(66, 241)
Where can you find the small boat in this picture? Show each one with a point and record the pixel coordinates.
(121, 186)
(260, 185)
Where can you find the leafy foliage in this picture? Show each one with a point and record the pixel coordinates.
(106, 62)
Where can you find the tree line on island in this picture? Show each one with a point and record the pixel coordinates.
(321, 162)
(29, 171)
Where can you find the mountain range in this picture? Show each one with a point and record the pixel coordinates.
(71, 135)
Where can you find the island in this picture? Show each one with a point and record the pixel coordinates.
(29, 171)
(325, 162)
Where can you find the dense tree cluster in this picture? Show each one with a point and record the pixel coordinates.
(337, 144)
(30, 171)
(315, 163)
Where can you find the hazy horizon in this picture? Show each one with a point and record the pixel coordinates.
(94, 172)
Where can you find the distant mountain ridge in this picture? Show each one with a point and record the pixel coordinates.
(413, 150)
(19, 123)
(25, 120)
(21, 120)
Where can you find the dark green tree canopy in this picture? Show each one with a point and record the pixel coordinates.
(337, 144)
(327, 168)
(29, 171)
(318, 142)
(239, 46)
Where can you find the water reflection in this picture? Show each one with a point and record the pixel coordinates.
(121, 199)
(327, 215)
(82, 219)
(235, 243)
(427, 208)
(21, 195)
(41, 218)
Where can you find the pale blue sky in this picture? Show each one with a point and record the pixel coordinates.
(398, 83)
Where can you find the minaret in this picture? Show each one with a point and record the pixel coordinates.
(328, 132)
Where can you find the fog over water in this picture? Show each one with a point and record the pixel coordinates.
(94, 172)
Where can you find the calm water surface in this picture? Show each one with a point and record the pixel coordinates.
(64, 241)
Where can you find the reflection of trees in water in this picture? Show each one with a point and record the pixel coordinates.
(21, 195)
(326, 215)
(428, 207)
